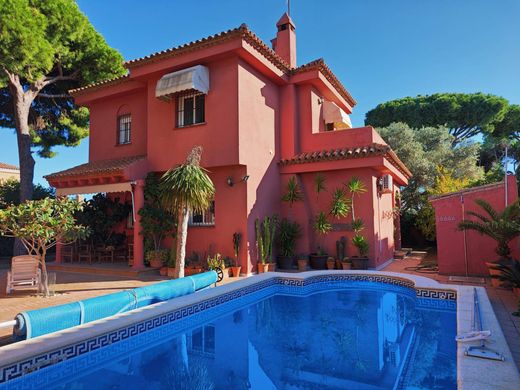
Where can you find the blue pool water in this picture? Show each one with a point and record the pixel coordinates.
(372, 337)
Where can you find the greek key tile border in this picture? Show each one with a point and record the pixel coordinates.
(270, 286)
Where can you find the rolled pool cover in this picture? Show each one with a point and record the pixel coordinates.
(38, 322)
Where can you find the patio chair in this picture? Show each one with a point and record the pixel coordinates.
(25, 274)
(105, 254)
(121, 253)
(68, 252)
(85, 252)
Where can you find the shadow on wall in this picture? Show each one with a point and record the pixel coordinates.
(267, 195)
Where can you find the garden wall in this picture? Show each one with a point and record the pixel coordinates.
(461, 253)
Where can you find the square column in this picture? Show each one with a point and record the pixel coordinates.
(138, 190)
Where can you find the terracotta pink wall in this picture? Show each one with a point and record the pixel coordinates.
(365, 207)
(383, 238)
(168, 145)
(450, 241)
(103, 126)
(258, 107)
(229, 217)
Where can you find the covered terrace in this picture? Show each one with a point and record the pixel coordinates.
(120, 178)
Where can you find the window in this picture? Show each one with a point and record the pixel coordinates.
(190, 110)
(124, 124)
(206, 218)
(203, 340)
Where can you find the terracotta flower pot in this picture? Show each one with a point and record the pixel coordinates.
(271, 267)
(262, 268)
(284, 262)
(303, 264)
(156, 263)
(346, 266)
(170, 271)
(163, 271)
(318, 261)
(235, 271)
(494, 281)
(359, 263)
(192, 271)
(331, 263)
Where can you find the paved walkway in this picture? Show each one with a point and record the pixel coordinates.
(504, 302)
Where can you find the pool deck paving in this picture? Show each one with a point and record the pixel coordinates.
(72, 286)
(504, 302)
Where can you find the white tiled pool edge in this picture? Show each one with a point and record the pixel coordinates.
(472, 373)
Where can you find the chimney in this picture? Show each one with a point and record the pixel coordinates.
(285, 42)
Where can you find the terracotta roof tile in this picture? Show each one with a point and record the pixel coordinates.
(103, 83)
(8, 166)
(97, 167)
(320, 65)
(347, 153)
(242, 31)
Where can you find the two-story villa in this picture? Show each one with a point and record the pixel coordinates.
(261, 120)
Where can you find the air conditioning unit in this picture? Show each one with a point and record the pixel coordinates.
(386, 184)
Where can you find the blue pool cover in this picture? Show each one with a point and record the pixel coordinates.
(38, 322)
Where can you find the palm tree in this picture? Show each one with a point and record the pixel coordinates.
(502, 227)
(184, 188)
(356, 187)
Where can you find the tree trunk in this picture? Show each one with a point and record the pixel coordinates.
(22, 102)
(45, 279)
(182, 235)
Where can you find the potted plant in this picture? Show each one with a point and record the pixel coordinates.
(361, 244)
(503, 227)
(346, 263)
(215, 262)
(157, 257)
(322, 227)
(303, 262)
(156, 222)
(289, 233)
(193, 264)
(265, 231)
(331, 262)
(235, 269)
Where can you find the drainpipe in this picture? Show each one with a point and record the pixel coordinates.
(464, 236)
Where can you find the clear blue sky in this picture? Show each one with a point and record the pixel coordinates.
(379, 49)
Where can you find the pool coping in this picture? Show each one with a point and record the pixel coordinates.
(472, 373)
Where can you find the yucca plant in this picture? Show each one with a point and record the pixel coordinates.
(503, 227)
(184, 188)
(321, 226)
(361, 244)
(319, 184)
(356, 188)
(340, 205)
(293, 193)
(289, 233)
(357, 225)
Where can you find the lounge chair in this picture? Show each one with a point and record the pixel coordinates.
(25, 274)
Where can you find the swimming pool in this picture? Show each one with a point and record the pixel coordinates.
(326, 331)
